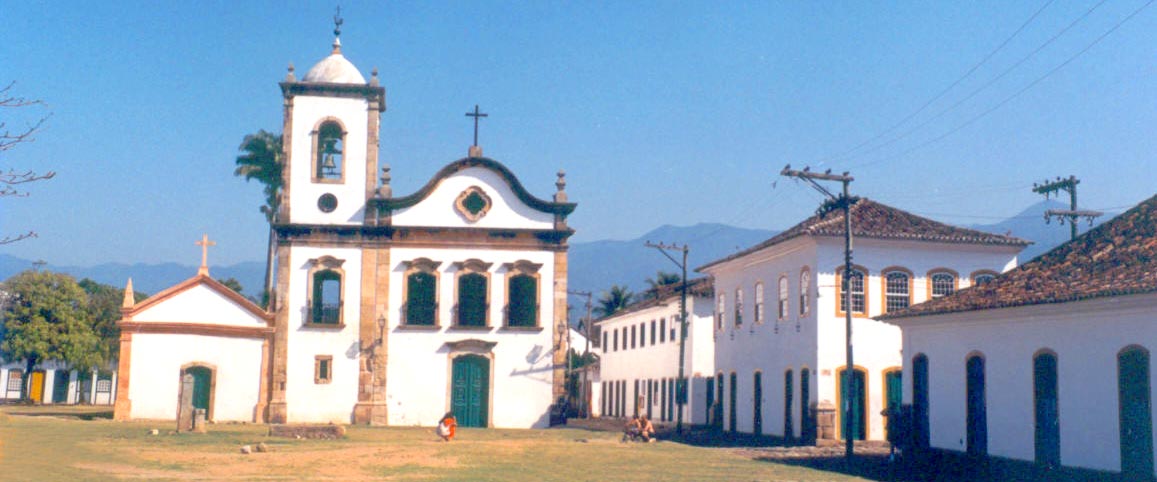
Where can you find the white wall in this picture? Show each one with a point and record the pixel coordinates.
(506, 210)
(1086, 337)
(156, 372)
(328, 402)
(661, 360)
(419, 370)
(308, 111)
(200, 304)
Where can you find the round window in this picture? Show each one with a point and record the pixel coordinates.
(327, 203)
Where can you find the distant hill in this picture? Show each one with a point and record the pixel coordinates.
(147, 278)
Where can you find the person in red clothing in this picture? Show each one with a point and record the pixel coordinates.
(447, 426)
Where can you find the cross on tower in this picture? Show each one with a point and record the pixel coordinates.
(204, 243)
(337, 21)
(476, 114)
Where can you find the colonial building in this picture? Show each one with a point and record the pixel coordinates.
(54, 382)
(1050, 362)
(780, 316)
(386, 309)
(639, 358)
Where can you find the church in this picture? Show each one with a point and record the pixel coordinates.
(386, 310)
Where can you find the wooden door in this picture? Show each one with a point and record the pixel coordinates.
(470, 390)
(202, 388)
(858, 399)
(788, 400)
(977, 436)
(807, 425)
(732, 415)
(893, 395)
(757, 401)
(36, 386)
(1047, 417)
(1135, 413)
(60, 386)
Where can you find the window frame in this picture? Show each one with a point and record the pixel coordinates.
(720, 311)
(931, 282)
(981, 272)
(315, 161)
(320, 361)
(840, 294)
(478, 267)
(760, 315)
(428, 266)
(784, 293)
(738, 307)
(526, 269)
(884, 273)
(804, 292)
(319, 267)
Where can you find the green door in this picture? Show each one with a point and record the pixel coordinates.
(470, 390)
(1135, 412)
(858, 399)
(202, 384)
(60, 387)
(893, 397)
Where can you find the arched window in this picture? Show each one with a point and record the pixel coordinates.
(759, 302)
(941, 283)
(897, 289)
(421, 293)
(783, 297)
(739, 307)
(473, 308)
(983, 277)
(804, 291)
(522, 294)
(858, 289)
(329, 152)
(325, 291)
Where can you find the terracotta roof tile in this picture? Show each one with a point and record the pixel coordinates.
(871, 219)
(1118, 257)
(695, 287)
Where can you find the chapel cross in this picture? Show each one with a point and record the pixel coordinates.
(476, 114)
(337, 21)
(204, 243)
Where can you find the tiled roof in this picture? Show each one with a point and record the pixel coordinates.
(696, 287)
(1118, 257)
(871, 219)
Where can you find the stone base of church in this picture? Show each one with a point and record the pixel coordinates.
(370, 413)
(278, 412)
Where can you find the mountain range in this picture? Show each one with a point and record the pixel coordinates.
(594, 266)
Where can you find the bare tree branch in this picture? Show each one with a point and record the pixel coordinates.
(10, 139)
(18, 237)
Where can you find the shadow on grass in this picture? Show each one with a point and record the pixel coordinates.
(63, 411)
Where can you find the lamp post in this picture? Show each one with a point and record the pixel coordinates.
(845, 199)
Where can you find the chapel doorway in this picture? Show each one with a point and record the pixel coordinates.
(202, 388)
(470, 390)
(36, 386)
(858, 399)
(1136, 420)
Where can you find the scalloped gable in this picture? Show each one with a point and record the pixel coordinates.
(502, 201)
(199, 300)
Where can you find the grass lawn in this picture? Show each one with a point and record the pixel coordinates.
(44, 443)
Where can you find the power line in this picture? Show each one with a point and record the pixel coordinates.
(990, 82)
(1017, 94)
(958, 80)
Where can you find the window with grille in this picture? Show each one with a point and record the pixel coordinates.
(738, 307)
(856, 279)
(759, 302)
(897, 293)
(720, 309)
(804, 291)
(783, 297)
(943, 284)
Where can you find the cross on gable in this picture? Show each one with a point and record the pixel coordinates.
(204, 243)
(476, 114)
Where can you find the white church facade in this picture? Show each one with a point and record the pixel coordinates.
(1051, 363)
(780, 316)
(387, 310)
(639, 357)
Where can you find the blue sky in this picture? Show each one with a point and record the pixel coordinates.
(660, 112)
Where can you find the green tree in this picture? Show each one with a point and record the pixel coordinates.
(46, 318)
(262, 159)
(233, 284)
(613, 300)
(104, 307)
(661, 280)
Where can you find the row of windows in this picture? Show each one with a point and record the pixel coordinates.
(635, 336)
(420, 293)
(783, 309)
(897, 285)
(650, 396)
(719, 389)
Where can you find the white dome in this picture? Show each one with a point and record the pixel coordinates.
(335, 69)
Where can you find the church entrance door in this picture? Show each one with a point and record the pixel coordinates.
(202, 387)
(470, 390)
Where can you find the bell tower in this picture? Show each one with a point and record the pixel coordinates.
(330, 135)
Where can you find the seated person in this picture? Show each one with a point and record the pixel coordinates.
(646, 429)
(447, 426)
(633, 429)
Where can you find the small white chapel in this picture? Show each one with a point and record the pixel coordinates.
(386, 310)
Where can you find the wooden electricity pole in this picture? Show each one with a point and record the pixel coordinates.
(681, 382)
(845, 200)
(1069, 185)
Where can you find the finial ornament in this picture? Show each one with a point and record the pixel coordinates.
(560, 196)
(385, 190)
(337, 21)
(289, 77)
(374, 77)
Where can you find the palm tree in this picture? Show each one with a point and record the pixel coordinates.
(613, 300)
(661, 280)
(262, 159)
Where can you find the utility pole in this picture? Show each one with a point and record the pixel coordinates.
(586, 369)
(1072, 214)
(681, 382)
(846, 201)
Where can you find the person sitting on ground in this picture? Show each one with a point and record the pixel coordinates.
(447, 426)
(632, 430)
(646, 429)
